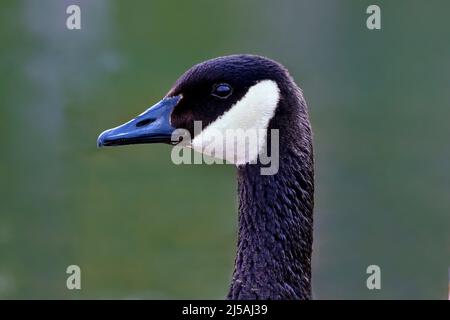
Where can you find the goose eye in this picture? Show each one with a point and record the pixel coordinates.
(222, 90)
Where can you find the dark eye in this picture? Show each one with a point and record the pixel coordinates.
(222, 90)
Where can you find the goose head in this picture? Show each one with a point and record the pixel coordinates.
(237, 92)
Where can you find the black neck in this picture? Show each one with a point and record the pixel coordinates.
(273, 258)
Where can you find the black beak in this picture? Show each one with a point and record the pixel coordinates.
(149, 127)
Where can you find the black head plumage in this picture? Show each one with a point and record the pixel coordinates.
(240, 72)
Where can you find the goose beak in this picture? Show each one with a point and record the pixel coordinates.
(152, 126)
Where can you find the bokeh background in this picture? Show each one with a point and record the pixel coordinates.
(141, 227)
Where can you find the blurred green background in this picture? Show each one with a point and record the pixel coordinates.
(141, 227)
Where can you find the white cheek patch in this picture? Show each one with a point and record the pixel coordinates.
(239, 135)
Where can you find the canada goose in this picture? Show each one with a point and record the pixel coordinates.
(273, 259)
